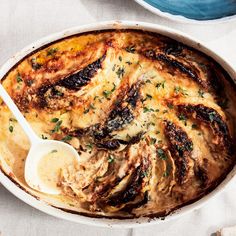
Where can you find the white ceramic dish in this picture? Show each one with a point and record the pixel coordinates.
(127, 223)
(180, 18)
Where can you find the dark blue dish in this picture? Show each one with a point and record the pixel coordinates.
(196, 9)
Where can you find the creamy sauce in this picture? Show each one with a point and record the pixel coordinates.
(51, 164)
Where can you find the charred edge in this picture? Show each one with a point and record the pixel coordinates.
(210, 116)
(180, 147)
(176, 65)
(214, 75)
(173, 48)
(109, 144)
(201, 175)
(115, 143)
(143, 200)
(121, 114)
(75, 133)
(72, 82)
(131, 191)
(82, 78)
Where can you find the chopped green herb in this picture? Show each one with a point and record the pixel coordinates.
(106, 93)
(34, 64)
(114, 87)
(150, 124)
(120, 72)
(130, 49)
(52, 51)
(153, 141)
(148, 96)
(178, 90)
(120, 58)
(53, 151)
(144, 174)
(89, 146)
(146, 109)
(161, 84)
(11, 128)
(161, 154)
(165, 111)
(128, 62)
(166, 174)
(114, 67)
(148, 81)
(95, 98)
(86, 111)
(54, 120)
(18, 78)
(194, 126)
(57, 127)
(44, 137)
(201, 93)
(170, 105)
(212, 116)
(183, 118)
(12, 120)
(110, 159)
(58, 93)
(67, 138)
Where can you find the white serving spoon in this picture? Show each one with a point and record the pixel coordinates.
(39, 148)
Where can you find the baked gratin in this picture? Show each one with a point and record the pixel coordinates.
(152, 120)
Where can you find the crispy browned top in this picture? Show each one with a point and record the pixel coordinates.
(149, 117)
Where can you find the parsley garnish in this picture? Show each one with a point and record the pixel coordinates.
(52, 51)
(34, 64)
(146, 109)
(18, 78)
(201, 93)
(110, 159)
(44, 137)
(170, 105)
(107, 93)
(161, 154)
(130, 49)
(153, 141)
(54, 120)
(89, 146)
(11, 128)
(178, 90)
(212, 116)
(57, 126)
(67, 138)
(183, 118)
(161, 84)
(120, 72)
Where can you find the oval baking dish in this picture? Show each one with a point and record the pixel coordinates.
(142, 72)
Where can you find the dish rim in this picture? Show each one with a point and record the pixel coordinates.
(105, 222)
(180, 18)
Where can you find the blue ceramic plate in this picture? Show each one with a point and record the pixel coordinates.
(192, 9)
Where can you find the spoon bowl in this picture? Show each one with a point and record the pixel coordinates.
(42, 149)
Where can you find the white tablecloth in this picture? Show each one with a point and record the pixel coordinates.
(24, 21)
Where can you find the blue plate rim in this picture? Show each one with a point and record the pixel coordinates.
(181, 18)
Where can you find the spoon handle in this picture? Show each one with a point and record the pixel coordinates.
(18, 115)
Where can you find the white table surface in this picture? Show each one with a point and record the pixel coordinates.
(24, 21)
